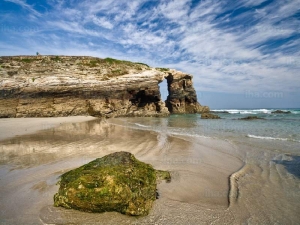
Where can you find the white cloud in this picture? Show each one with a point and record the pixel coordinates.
(26, 6)
(102, 22)
(221, 56)
(175, 10)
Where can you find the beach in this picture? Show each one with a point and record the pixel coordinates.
(214, 180)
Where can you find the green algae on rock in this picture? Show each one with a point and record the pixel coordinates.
(116, 182)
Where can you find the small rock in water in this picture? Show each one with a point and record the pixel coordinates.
(209, 116)
(252, 118)
(281, 112)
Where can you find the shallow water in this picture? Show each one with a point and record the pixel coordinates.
(215, 180)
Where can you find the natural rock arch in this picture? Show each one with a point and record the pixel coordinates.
(48, 86)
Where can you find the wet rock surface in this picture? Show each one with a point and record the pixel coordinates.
(209, 116)
(116, 182)
(281, 112)
(252, 118)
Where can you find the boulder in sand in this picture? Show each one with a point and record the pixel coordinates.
(116, 182)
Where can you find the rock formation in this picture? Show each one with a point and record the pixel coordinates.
(209, 116)
(281, 112)
(116, 182)
(182, 95)
(252, 118)
(49, 86)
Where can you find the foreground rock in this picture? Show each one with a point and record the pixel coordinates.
(281, 112)
(252, 118)
(209, 116)
(51, 86)
(116, 182)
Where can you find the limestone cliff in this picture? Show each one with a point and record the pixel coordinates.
(47, 86)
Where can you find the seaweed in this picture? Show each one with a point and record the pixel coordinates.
(116, 182)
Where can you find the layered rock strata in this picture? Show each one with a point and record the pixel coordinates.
(49, 86)
(182, 95)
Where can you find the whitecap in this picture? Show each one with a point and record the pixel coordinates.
(271, 138)
(141, 125)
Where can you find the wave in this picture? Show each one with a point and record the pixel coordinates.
(271, 138)
(253, 111)
(188, 135)
(141, 125)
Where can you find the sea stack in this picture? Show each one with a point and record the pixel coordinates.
(182, 95)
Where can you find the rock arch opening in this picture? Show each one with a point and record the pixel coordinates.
(163, 88)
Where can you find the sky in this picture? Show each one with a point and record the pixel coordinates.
(242, 54)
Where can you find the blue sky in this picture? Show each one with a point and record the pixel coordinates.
(243, 53)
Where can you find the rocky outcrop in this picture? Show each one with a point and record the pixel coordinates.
(209, 116)
(50, 86)
(116, 182)
(252, 118)
(182, 95)
(281, 112)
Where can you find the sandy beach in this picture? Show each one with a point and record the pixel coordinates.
(213, 181)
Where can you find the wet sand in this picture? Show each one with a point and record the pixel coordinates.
(213, 181)
(20, 126)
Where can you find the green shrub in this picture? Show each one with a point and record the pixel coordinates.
(56, 58)
(142, 64)
(93, 63)
(163, 69)
(116, 61)
(27, 60)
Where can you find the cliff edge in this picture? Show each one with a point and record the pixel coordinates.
(50, 86)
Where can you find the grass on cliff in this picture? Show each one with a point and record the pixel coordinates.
(108, 67)
(162, 69)
(27, 60)
(56, 59)
(116, 61)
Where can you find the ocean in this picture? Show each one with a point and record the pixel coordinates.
(273, 129)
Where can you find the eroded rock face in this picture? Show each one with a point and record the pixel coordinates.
(116, 182)
(182, 95)
(50, 86)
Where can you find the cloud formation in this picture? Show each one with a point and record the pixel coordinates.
(228, 47)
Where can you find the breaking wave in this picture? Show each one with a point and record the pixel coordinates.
(271, 138)
(254, 111)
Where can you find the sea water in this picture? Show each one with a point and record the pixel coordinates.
(273, 129)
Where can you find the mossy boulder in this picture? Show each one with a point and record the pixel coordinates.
(116, 182)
